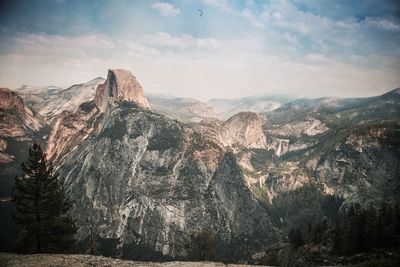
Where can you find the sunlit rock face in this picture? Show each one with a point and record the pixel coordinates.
(17, 123)
(120, 85)
(69, 99)
(144, 180)
(73, 126)
(243, 129)
(10, 101)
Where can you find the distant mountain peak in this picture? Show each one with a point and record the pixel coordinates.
(10, 100)
(243, 129)
(120, 85)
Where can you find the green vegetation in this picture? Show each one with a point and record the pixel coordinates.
(360, 230)
(170, 136)
(87, 106)
(295, 238)
(378, 263)
(128, 105)
(301, 206)
(260, 157)
(201, 246)
(41, 207)
(116, 131)
(360, 236)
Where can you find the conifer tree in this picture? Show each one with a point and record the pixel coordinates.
(202, 245)
(41, 207)
(295, 238)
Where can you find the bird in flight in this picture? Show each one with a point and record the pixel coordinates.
(200, 12)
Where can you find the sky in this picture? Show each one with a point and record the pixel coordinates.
(229, 49)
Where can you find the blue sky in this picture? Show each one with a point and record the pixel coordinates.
(236, 48)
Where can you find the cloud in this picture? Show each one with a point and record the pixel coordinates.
(384, 24)
(244, 48)
(183, 41)
(221, 4)
(166, 9)
(188, 66)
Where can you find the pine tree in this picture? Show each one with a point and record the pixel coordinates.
(41, 207)
(202, 246)
(295, 238)
(337, 239)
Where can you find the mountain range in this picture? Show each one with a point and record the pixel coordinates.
(145, 170)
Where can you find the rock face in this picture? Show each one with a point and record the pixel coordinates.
(243, 129)
(354, 168)
(146, 181)
(16, 122)
(11, 102)
(49, 102)
(120, 85)
(70, 98)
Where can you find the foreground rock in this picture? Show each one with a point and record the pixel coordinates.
(44, 260)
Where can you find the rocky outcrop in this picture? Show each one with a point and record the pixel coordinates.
(74, 125)
(120, 85)
(243, 129)
(70, 129)
(364, 166)
(11, 102)
(17, 123)
(69, 99)
(310, 126)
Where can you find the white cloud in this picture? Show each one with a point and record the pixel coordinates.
(187, 66)
(184, 41)
(382, 23)
(316, 57)
(221, 4)
(166, 9)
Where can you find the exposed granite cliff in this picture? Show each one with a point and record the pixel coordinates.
(243, 129)
(17, 122)
(120, 85)
(66, 100)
